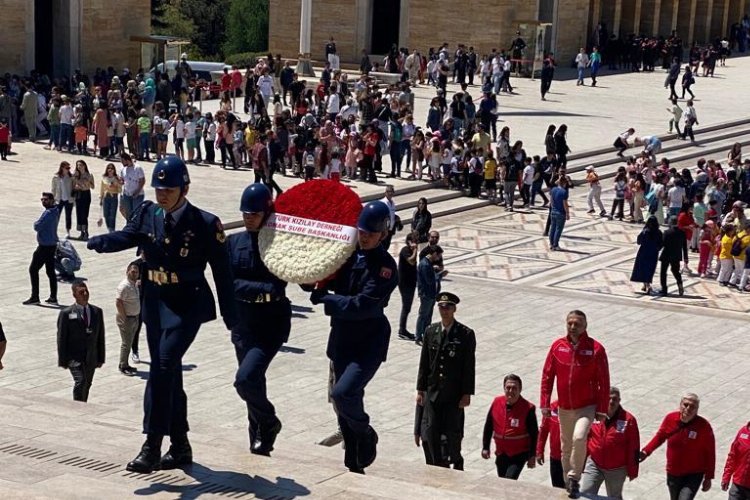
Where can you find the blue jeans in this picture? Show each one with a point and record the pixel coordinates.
(145, 140)
(109, 209)
(395, 151)
(54, 135)
(424, 318)
(406, 152)
(457, 124)
(557, 223)
(66, 136)
(580, 74)
(129, 203)
(496, 81)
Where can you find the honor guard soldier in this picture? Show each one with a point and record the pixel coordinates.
(360, 331)
(445, 383)
(265, 318)
(176, 241)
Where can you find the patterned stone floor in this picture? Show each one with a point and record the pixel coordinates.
(597, 257)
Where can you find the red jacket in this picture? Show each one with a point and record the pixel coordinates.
(691, 448)
(582, 373)
(550, 427)
(616, 443)
(737, 468)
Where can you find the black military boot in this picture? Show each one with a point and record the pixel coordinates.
(266, 438)
(179, 453)
(147, 460)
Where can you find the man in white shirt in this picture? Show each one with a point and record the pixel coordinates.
(133, 179)
(390, 191)
(265, 86)
(128, 303)
(582, 61)
(506, 86)
(333, 103)
(497, 73)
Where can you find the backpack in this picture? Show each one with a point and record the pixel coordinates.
(736, 247)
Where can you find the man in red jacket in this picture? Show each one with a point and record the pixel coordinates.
(691, 449)
(737, 468)
(551, 427)
(613, 450)
(579, 363)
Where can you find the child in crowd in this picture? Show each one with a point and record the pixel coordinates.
(308, 160)
(353, 156)
(490, 177)
(745, 271)
(4, 139)
(434, 160)
(725, 254)
(527, 180)
(190, 137)
(333, 169)
(239, 150)
(707, 242)
(80, 130)
(178, 124)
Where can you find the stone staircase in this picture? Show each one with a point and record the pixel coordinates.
(58, 449)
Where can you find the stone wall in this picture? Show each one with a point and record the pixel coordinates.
(106, 33)
(13, 36)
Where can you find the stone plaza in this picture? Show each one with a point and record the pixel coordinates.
(514, 294)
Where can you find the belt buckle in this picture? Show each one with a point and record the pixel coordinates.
(159, 277)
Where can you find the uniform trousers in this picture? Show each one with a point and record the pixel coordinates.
(684, 487)
(44, 255)
(352, 376)
(444, 419)
(165, 401)
(83, 376)
(510, 467)
(574, 430)
(593, 477)
(255, 346)
(556, 473)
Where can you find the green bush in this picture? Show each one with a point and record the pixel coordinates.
(243, 59)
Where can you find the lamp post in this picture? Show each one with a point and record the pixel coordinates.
(304, 66)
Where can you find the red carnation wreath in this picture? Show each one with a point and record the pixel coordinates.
(312, 231)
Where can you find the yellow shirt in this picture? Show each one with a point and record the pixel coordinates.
(490, 168)
(726, 247)
(744, 237)
(249, 137)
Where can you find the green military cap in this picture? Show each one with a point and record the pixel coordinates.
(447, 298)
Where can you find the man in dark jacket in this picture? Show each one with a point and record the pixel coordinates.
(674, 251)
(445, 383)
(80, 341)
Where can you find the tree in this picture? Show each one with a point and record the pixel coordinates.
(210, 24)
(247, 26)
(158, 8)
(174, 23)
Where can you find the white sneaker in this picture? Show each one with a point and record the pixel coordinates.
(333, 439)
(135, 358)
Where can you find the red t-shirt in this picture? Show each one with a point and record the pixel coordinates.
(226, 81)
(4, 135)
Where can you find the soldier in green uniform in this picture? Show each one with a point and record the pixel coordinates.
(445, 384)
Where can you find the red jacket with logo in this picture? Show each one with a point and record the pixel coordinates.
(691, 448)
(513, 428)
(737, 468)
(615, 443)
(550, 427)
(582, 373)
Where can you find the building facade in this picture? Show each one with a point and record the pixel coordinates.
(374, 25)
(58, 36)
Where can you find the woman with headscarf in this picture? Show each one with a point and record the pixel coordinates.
(650, 242)
(149, 96)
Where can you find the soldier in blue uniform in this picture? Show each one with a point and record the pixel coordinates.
(358, 342)
(265, 318)
(176, 241)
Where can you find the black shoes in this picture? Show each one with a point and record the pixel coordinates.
(266, 438)
(680, 289)
(128, 370)
(148, 459)
(31, 301)
(180, 453)
(367, 449)
(51, 301)
(406, 335)
(574, 489)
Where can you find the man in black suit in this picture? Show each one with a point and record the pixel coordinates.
(80, 340)
(445, 383)
(673, 251)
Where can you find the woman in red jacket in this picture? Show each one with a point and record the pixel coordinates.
(691, 449)
(737, 468)
(511, 422)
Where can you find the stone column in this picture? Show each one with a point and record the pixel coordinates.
(656, 18)
(76, 19)
(691, 25)
(675, 11)
(403, 25)
(596, 14)
(637, 17)
(304, 66)
(29, 59)
(725, 18)
(616, 28)
(709, 18)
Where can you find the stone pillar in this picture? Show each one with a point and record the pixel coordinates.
(76, 18)
(725, 18)
(637, 17)
(616, 28)
(675, 12)
(656, 19)
(709, 17)
(691, 25)
(29, 61)
(304, 66)
(596, 14)
(363, 27)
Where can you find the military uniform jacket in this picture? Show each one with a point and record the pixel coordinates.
(257, 291)
(76, 341)
(361, 289)
(182, 294)
(446, 366)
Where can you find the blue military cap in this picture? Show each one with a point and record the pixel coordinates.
(374, 217)
(256, 198)
(447, 298)
(170, 172)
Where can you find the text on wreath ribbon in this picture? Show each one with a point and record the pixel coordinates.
(315, 228)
